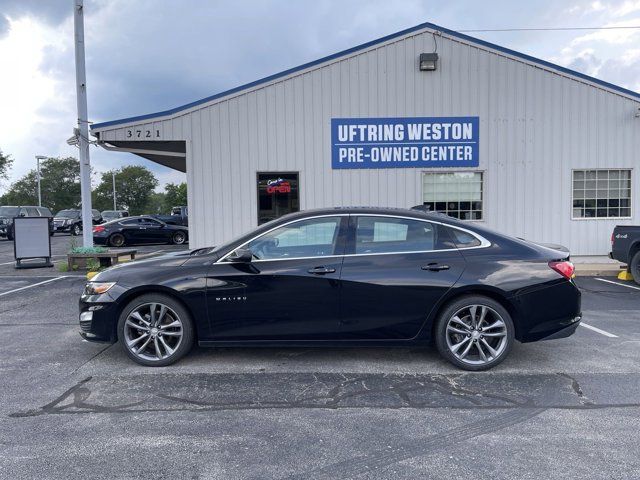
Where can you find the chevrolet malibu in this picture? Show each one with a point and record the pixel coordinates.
(341, 277)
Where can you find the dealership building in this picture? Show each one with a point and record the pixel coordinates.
(424, 116)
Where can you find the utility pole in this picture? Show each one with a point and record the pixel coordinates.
(113, 177)
(38, 158)
(83, 125)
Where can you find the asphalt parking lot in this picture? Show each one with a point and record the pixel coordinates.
(71, 409)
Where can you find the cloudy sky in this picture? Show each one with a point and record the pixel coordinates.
(149, 55)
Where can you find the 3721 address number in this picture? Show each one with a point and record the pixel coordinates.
(134, 133)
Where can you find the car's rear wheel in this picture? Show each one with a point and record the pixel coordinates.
(474, 333)
(634, 266)
(155, 330)
(75, 230)
(178, 238)
(116, 240)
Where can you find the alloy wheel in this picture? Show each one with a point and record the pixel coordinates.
(178, 238)
(116, 240)
(476, 335)
(153, 331)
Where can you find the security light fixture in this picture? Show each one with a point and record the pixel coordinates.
(428, 61)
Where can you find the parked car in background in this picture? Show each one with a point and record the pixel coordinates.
(336, 277)
(108, 215)
(179, 216)
(70, 220)
(137, 230)
(625, 247)
(8, 213)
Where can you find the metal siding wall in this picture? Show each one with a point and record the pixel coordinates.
(535, 127)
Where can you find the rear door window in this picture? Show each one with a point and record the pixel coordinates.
(393, 235)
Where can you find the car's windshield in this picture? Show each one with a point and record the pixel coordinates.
(67, 213)
(9, 211)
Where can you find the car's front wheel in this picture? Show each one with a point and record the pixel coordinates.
(75, 230)
(155, 330)
(474, 333)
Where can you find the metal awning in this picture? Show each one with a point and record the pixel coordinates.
(171, 154)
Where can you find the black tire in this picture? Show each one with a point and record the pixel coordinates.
(75, 230)
(178, 238)
(116, 240)
(450, 311)
(188, 332)
(9, 237)
(634, 266)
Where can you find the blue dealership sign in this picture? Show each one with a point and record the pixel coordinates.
(425, 142)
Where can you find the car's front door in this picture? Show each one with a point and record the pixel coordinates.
(395, 271)
(290, 289)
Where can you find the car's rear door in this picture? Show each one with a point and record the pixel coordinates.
(396, 269)
(290, 291)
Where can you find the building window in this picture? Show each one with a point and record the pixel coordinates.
(278, 194)
(601, 194)
(458, 194)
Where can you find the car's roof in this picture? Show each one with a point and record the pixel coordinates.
(392, 211)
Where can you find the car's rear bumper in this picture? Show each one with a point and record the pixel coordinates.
(551, 311)
(566, 331)
(100, 240)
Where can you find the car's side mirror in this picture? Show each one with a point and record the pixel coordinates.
(243, 255)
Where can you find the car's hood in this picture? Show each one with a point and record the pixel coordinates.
(142, 268)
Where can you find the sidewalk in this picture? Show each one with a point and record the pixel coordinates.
(590, 266)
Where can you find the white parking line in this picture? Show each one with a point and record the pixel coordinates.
(601, 332)
(616, 283)
(33, 285)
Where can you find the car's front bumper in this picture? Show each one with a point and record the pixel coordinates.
(98, 317)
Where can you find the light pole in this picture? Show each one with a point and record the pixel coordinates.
(38, 158)
(113, 178)
(83, 124)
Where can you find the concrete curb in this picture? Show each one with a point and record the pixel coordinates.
(596, 270)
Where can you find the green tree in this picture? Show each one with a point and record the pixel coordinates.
(5, 165)
(156, 203)
(134, 187)
(60, 185)
(175, 195)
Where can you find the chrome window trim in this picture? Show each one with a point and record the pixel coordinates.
(484, 243)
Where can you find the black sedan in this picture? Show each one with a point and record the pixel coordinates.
(358, 276)
(138, 230)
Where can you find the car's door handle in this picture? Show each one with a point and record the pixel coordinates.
(321, 270)
(435, 267)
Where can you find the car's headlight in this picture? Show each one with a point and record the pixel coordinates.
(98, 288)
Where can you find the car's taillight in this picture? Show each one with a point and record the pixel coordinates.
(98, 229)
(566, 268)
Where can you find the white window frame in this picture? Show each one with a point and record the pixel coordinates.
(595, 169)
(475, 170)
